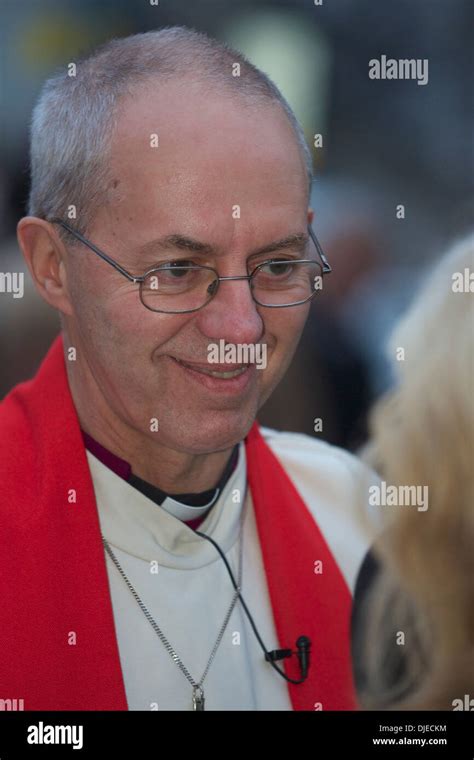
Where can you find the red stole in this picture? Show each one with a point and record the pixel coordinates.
(53, 577)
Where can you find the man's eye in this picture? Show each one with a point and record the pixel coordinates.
(179, 263)
(175, 268)
(277, 267)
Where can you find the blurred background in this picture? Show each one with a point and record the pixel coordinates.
(384, 144)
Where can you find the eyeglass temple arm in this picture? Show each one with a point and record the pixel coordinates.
(326, 266)
(97, 251)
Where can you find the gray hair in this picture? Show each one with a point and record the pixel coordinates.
(74, 118)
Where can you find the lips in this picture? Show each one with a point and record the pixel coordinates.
(226, 381)
(221, 371)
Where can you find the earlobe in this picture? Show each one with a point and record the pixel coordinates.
(310, 216)
(43, 255)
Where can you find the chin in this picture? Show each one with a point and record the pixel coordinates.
(217, 433)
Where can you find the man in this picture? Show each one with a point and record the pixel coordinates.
(133, 459)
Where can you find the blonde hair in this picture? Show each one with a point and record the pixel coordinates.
(423, 434)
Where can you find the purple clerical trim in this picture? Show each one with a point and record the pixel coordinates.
(112, 461)
(123, 469)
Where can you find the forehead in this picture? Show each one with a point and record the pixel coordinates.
(181, 146)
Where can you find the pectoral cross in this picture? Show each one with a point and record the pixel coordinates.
(198, 698)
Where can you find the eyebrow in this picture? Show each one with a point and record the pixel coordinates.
(181, 243)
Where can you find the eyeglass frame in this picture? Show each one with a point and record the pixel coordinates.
(326, 269)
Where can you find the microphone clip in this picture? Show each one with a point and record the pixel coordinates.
(278, 654)
(303, 647)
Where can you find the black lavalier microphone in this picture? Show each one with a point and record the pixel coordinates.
(303, 646)
(303, 643)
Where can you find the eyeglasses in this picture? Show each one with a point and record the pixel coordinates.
(175, 288)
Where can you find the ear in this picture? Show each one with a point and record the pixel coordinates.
(310, 216)
(45, 257)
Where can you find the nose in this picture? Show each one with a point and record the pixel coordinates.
(232, 314)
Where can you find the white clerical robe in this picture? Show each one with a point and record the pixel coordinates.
(182, 580)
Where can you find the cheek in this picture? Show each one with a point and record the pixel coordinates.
(117, 327)
(106, 304)
(112, 322)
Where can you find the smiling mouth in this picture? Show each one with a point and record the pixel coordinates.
(226, 374)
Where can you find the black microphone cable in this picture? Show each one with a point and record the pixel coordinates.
(303, 643)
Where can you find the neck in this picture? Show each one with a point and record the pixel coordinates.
(169, 470)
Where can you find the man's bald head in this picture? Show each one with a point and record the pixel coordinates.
(75, 118)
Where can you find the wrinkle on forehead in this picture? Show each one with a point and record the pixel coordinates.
(212, 154)
(193, 122)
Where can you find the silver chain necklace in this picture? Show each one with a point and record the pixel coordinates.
(198, 692)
